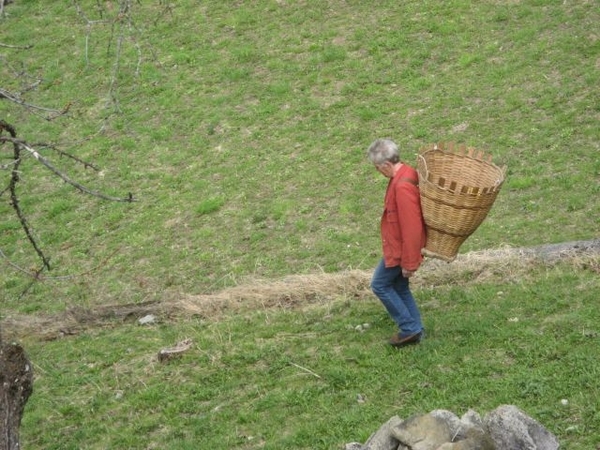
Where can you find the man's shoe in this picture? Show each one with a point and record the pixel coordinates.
(404, 339)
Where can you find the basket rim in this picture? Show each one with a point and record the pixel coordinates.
(453, 186)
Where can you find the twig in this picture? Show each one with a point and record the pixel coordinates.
(306, 370)
(456, 434)
(18, 47)
(15, 99)
(7, 166)
(122, 31)
(85, 164)
(34, 275)
(23, 145)
(37, 274)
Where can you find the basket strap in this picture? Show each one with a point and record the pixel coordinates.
(408, 180)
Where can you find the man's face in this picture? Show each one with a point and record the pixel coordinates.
(386, 169)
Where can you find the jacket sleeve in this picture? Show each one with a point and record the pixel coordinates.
(412, 230)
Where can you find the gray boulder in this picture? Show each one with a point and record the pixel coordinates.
(425, 432)
(383, 439)
(511, 429)
(443, 430)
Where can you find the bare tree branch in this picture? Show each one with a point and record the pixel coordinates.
(19, 146)
(123, 31)
(15, 98)
(14, 179)
(123, 28)
(35, 275)
(22, 145)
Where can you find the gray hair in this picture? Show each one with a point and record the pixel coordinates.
(382, 151)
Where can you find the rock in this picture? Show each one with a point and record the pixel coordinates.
(473, 418)
(510, 428)
(467, 432)
(383, 439)
(148, 319)
(425, 432)
(505, 428)
(456, 426)
(353, 446)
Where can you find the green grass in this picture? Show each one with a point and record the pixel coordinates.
(307, 378)
(241, 128)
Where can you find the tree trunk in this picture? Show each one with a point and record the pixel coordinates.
(16, 385)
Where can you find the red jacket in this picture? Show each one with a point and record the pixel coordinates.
(402, 226)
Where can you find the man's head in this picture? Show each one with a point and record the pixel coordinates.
(384, 154)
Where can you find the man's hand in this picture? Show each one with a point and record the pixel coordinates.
(408, 273)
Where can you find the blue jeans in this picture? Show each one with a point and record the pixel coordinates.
(393, 290)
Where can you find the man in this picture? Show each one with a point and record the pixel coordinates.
(403, 237)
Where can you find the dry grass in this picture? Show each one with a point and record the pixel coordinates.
(299, 291)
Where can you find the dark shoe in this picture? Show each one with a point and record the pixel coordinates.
(404, 339)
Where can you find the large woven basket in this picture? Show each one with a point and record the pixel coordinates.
(458, 186)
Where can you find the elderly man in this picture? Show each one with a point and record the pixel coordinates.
(403, 237)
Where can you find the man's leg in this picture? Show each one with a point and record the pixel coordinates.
(402, 288)
(382, 285)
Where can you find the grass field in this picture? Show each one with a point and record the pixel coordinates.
(241, 129)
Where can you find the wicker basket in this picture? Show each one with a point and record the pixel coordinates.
(458, 186)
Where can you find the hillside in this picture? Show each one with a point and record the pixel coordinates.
(240, 129)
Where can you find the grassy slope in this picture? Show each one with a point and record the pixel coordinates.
(244, 134)
(306, 378)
